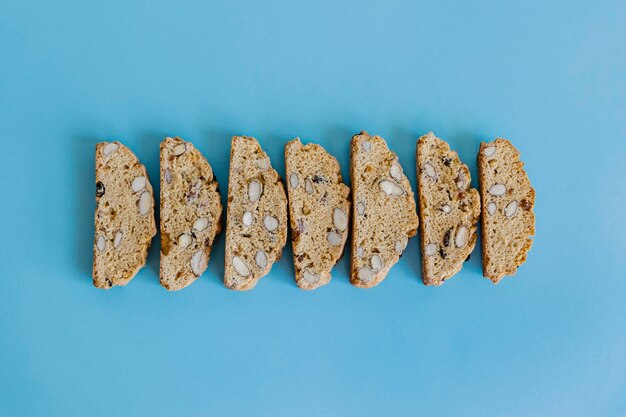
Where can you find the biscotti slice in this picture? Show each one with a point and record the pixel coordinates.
(319, 206)
(256, 222)
(449, 210)
(124, 218)
(383, 214)
(191, 213)
(508, 220)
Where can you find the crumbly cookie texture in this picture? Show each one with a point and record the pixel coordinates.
(319, 208)
(190, 213)
(124, 217)
(508, 220)
(383, 214)
(256, 223)
(449, 210)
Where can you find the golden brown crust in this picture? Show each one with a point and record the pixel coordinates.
(508, 219)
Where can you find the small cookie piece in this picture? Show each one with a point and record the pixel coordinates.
(383, 215)
(508, 220)
(319, 208)
(256, 222)
(190, 213)
(449, 210)
(124, 218)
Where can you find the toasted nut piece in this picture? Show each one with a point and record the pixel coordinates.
(366, 274)
(360, 208)
(491, 208)
(396, 171)
(431, 249)
(240, 266)
(261, 259)
(489, 151)
(497, 190)
(255, 189)
(340, 219)
(201, 224)
(429, 170)
(247, 219)
(308, 185)
(263, 163)
(139, 184)
(118, 238)
(270, 223)
(184, 240)
(109, 148)
(179, 149)
(511, 209)
(293, 180)
(401, 244)
(462, 236)
(198, 262)
(376, 263)
(390, 188)
(334, 238)
(101, 243)
(310, 277)
(145, 203)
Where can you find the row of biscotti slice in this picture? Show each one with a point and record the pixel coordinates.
(383, 215)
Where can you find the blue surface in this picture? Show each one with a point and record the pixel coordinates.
(550, 76)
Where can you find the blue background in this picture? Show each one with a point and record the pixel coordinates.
(550, 76)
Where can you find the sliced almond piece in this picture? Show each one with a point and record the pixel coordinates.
(390, 188)
(310, 277)
(401, 243)
(366, 145)
(308, 186)
(462, 236)
(101, 243)
(179, 149)
(376, 263)
(145, 203)
(491, 208)
(497, 190)
(489, 151)
(139, 184)
(247, 219)
(270, 223)
(431, 249)
(109, 148)
(184, 240)
(240, 266)
(359, 252)
(340, 219)
(118, 238)
(446, 208)
(255, 189)
(334, 238)
(511, 209)
(366, 274)
(360, 208)
(263, 163)
(261, 259)
(198, 262)
(396, 171)
(294, 180)
(429, 170)
(201, 224)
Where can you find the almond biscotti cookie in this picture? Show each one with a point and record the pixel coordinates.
(449, 210)
(191, 213)
(256, 223)
(124, 218)
(383, 214)
(508, 220)
(319, 204)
